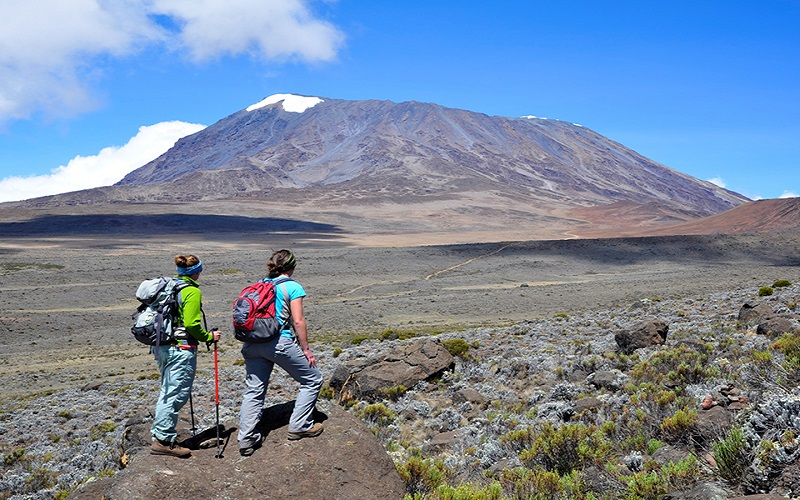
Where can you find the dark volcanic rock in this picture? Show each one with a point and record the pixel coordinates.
(752, 312)
(646, 334)
(404, 365)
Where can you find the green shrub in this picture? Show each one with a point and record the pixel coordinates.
(377, 414)
(326, 392)
(765, 290)
(468, 491)
(676, 428)
(781, 283)
(732, 455)
(337, 351)
(653, 445)
(530, 484)
(645, 485)
(681, 474)
(102, 429)
(15, 456)
(456, 347)
(789, 345)
(566, 448)
(358, 339)
(389, 334)
(678, 366)
(40, 479)
(423, 475)
(518, 439)
(394, 393)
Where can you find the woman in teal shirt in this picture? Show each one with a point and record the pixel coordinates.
(290, 351)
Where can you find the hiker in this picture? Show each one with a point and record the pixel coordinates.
(290, 351)
(177, 360)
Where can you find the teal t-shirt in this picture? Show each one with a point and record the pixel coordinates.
(282, 308)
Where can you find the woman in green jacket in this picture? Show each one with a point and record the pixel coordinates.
(177, 361)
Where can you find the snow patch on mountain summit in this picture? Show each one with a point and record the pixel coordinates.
(291, 103)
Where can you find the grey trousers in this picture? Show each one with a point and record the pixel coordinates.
(259, 359)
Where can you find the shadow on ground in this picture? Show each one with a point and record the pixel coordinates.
(148, 225)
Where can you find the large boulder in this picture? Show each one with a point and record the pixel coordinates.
(346, 461)
(646, 334)
(776, 326)
(712, 423)
(752, 312)
(403, 365)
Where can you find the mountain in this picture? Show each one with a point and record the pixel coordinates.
(385, 173)
(380, 150)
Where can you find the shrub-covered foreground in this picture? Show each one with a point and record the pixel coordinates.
(545, 409)
(552, 409)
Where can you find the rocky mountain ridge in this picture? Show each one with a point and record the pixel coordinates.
(385, 150)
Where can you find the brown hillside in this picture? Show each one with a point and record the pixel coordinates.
(622, 219)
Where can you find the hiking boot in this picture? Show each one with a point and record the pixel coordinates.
(246, 452)
(314, 431)
(166, 448)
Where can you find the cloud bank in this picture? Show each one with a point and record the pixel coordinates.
(52, 52)
(107, 167)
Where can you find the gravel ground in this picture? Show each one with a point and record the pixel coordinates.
(73, 374)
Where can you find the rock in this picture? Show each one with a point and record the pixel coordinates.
(605, 379)
(590, 403)
(646, 334)
(752, 312)
(92, 386)
(760, 496)
(346, 461)
(712, 424)
(788, 483)
(707, 403)
(470, 395)
(775, 327)
(441, 442)
(703, 491)
(407, 365)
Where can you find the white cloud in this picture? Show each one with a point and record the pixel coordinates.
(52, 52)
(789, 194)
(110, 165)
(718, 181)
(274, 29)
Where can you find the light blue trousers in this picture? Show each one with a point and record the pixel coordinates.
(177, 367)
(259, 359)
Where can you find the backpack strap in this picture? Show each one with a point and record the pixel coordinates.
(179, 285)
(275, 282)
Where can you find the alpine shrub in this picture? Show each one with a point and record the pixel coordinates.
(732, 455)
(765, 291)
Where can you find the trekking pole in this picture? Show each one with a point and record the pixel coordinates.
(216, 395)
(191, 411)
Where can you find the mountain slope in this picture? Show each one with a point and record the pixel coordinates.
(380, 150)
(385, 173)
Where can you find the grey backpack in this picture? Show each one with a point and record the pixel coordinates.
(156, 317)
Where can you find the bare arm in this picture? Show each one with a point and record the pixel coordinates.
(299, 323)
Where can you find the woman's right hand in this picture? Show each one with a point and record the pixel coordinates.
(312, 361)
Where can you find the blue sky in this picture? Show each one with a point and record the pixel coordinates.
(91, 89)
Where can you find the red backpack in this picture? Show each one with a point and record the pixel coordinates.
(254, 317)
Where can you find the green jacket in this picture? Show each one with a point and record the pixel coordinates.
(190, 309)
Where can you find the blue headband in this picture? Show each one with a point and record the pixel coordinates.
(188, 271)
